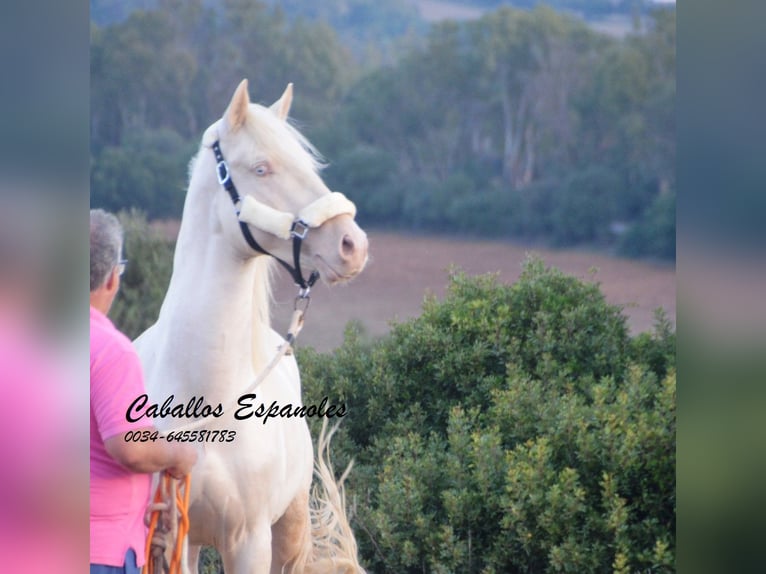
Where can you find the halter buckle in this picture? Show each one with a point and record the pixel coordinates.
(222, 170)
(299, 229)
(303, 300)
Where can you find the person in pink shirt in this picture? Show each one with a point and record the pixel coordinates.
(120, 479)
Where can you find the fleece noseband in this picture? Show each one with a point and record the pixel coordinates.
(281, 224)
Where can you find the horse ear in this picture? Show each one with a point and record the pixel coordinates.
(282, 106)
(236, 113)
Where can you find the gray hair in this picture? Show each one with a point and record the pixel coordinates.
(105, 246)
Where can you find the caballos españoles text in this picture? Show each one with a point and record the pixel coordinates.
(196, 407)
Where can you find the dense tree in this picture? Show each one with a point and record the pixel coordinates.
(535, 63)
(141, 78)
(160, 77)
(565, 132)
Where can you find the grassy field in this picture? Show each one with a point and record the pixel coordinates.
(403, 269)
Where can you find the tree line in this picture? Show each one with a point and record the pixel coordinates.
(521, 124)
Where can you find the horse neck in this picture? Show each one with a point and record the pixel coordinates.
(216, 311)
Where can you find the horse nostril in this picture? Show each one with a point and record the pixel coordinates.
(347, 246)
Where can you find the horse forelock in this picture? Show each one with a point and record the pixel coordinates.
(281, 141)
(268, 136)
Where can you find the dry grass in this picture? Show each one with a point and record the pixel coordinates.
(403, 269)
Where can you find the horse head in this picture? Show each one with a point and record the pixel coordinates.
(271, 174)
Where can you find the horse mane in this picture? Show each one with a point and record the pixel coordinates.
(265, 128)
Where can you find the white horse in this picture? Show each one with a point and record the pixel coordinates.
(254, 175)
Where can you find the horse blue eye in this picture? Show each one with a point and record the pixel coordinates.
(262, 169)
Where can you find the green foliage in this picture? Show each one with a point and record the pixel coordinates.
(508, 429)
(655, 350)
(146, 277)
(149, 168)
(585, 206)
(160, 77)
(368, 176)
(210, 561)
(654, 234)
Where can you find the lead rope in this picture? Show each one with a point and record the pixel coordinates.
(169, 522)
(296, 324)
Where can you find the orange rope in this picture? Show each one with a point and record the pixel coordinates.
(182, 507)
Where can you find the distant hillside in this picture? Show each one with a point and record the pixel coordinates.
(438, 10)
(381, 20)
(589, 9)
(104, 12)
(613, 17)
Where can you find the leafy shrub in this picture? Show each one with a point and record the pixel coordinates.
(148, 169)
(508, 429)
(654, 235)
(210, 561)
(146, 277)
(537, 203)
(366, 175)
(655, 350)
(489, 212)
(585, 206)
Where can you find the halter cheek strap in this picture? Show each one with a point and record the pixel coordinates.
(281, 224)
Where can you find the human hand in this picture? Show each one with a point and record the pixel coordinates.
(185, 455)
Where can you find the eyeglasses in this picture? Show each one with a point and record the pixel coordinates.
(121, 266)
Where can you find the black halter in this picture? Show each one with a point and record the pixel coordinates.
(298, 230)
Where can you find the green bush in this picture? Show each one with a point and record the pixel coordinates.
(148, 169)
(537, 203)
(654, 235)
(489, 212)
(508, 429)
(366, 175)
(585, 206)
(146, 277)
